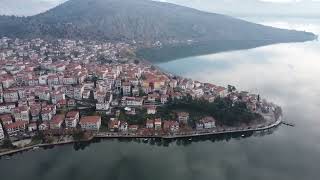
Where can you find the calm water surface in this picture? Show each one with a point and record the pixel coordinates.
(287, 74)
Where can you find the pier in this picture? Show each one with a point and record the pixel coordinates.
(288, 124)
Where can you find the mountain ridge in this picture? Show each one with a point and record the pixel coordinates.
(139, 20)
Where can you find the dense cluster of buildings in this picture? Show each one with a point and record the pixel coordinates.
(41, 79)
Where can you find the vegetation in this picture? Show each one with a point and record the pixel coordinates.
(139, 118)
(222, 109)
(112, 20)
(7, 144)
(78, 135)
(38, 138)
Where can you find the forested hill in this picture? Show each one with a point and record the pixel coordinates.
(140, 20)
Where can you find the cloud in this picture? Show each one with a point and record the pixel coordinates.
(255, 7)
(26, 7)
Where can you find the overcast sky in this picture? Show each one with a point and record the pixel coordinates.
(230, 7)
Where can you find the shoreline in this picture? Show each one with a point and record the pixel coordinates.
(277, 123)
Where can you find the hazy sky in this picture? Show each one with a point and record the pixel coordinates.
(230, 7)
(255, 7)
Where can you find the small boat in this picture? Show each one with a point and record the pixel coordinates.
(145, 140)
(242, 135)
(8, 158)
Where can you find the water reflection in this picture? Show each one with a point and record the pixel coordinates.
(178, 142)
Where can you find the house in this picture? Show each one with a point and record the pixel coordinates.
(151, 110)
(1, 133)
(114, 124)
(153, 97)
(53, 80)
(132, 101)
(126, 89)
(149, 124)
(62, 103)
(6, 119)
(56, 96)
(10, 96)
(33, 81)
(90, 123)
(71, 103)
(198, 92)
(221, 91)
(7, 107)
(1, 95)
(123, 126)
(21, 113)
(78, 91)
(173, 83)
(46, 114)
(100, 96)
(135, 91)
(72, 119)
(172, 126)
(32, 127)
(17, 127)
(102, 106)
(130, 111)
(209, 98)
(86, 94)
(164, 98)
(43, 94)
(133, 128)
(44, 126)
(56, 121)
(207, 122)
(183, 117)
(7, 81)
(157, 124)
(43, 80)
(35, 112)
(69, 80)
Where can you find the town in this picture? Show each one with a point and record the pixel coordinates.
(65, 87)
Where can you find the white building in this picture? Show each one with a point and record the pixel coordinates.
(102, 106)
(10, 96)
(151, 110)
(1, 133)
(72, 119)
(126, 89)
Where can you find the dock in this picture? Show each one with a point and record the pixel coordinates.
(288, 124)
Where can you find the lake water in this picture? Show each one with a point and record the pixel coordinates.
(287, 74)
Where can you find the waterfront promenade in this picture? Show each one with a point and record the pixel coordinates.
(191, 133)
(106, 135)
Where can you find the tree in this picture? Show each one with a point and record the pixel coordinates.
(7, 144)
(78, 135)
(231, 88)
(136, 61)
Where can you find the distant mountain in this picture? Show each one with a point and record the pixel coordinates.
(140, 20)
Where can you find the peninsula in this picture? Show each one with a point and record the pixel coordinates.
(62, 91)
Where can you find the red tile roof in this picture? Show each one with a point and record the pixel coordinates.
(16, 124)
(72, 114)
(90, 119)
